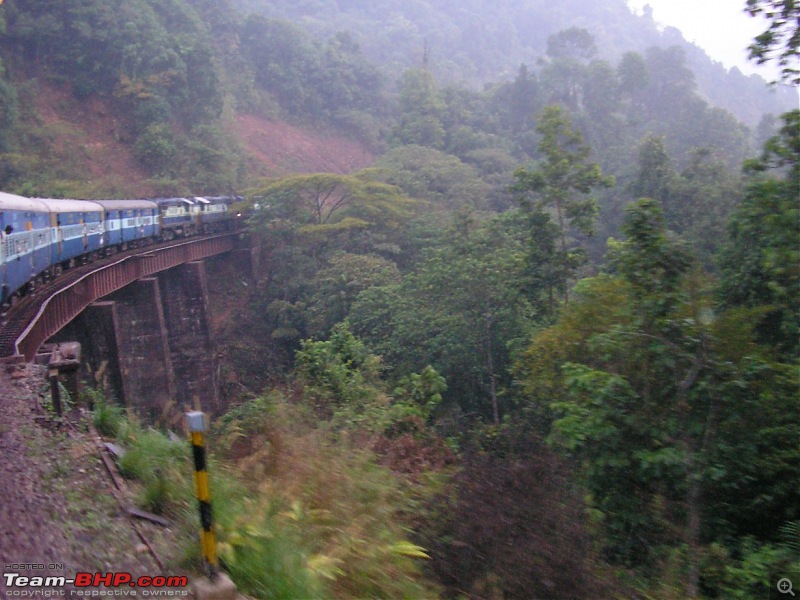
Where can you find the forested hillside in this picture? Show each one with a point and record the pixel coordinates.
(535, 338)
(476, 42)
(160, 85)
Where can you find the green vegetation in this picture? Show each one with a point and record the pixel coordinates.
(170, 76)
(780, 37)
(546, 345)
(479, 42)
(661, 390)
(107, 417)
(298, 512)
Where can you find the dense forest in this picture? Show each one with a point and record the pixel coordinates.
(467, 43)
(546, 346)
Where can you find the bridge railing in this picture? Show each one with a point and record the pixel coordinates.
(68, 302)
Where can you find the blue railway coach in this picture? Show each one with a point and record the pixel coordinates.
(40, 237)
(78, 228)
(25, 239)
(129, 221)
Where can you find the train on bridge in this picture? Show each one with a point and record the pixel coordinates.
(40, 237)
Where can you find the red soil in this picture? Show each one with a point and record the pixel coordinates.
(277, 148)
(90, 138)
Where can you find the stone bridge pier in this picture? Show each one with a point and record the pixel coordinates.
(150, 344)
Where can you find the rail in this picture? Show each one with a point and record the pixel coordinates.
(67, 303)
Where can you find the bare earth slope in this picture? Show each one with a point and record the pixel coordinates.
(276, 148)
(87, 140)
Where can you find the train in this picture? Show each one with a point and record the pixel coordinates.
(40, 237)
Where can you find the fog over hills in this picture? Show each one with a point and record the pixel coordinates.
(480, 42)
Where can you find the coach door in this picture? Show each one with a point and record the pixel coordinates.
(55, 223)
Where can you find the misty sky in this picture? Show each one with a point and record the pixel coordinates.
(720, 27)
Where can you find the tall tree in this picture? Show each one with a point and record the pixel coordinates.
(761, 262)
(697, 202)
(562, 182)
(655, 170)
(574, 42)
(461, 310)
(320, 234)
(421, 110)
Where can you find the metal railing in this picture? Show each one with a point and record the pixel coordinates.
(68, 302)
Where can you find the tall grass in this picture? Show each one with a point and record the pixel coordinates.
(323, 515)
(297, 513)
(108, 418)
(161, 465)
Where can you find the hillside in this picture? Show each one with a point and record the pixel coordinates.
(146, 98)
(277, 148)
(192, 97)
(84, 137)
(546, 346)
(479, 42)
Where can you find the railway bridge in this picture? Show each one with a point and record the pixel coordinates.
(141, 318)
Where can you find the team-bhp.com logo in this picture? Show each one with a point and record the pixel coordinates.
(94, 584)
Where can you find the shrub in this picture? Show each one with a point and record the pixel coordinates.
(156, 149)
(511, 528)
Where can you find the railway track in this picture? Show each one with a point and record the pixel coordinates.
(16, 319)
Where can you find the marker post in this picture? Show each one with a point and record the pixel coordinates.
(197, 426)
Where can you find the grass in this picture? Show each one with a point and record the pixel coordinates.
(108, 418)
(161, 465)
(297, 514)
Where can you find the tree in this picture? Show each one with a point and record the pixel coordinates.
(461, 311)
(339, 373)
(604, 120)
(670, 92)
(564, 76)
(655, 170)
(519, 98)
(632, 73)
(8, 100)
(562, 182)
(782, 36)
(156, 149)
(761, 262)
(421, 110)
(697, 202)
(575, 42)
(441, 179)
(8, 109)
(700, 202)
(648, 388)
(322, 207)
(336, 286)
(325, 237)
(284, 60)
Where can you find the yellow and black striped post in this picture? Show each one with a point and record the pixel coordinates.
(197, 427)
